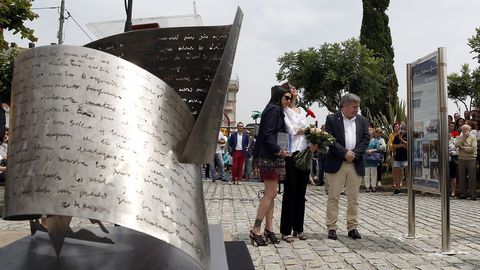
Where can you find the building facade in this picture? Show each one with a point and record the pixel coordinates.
(230, 109)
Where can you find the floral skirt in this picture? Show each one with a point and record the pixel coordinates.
(271, 169)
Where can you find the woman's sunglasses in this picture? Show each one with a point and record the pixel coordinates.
(287, 98)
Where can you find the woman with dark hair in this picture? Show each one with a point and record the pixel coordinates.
(459, 123)
(270, 161)
(400, 161)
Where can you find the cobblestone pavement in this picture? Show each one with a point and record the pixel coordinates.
(383, 225)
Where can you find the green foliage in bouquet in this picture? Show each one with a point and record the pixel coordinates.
(322, 141)
(319, 137)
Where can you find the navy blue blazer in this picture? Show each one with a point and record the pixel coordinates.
(271, 123)
(232, 142)
(336, 154)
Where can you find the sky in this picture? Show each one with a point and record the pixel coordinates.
(272, 27)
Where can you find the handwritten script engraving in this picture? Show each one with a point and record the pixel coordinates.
(96, 136)
(185, 58)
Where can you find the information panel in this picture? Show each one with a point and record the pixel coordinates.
(428, 136)
(426, 124)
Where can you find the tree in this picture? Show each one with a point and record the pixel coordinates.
(465, 86)
(256, 115)
(13, 14)
(476, 87)
(375, 34)
(326, 73)
(474, 43)
(7, 57)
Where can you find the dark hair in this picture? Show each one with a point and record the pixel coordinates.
(458, 120)
(277, 94)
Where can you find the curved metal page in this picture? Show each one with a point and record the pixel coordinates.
(199, 147)
(186, 58)
(95, 136)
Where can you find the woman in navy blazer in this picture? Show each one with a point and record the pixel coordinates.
(270, 161)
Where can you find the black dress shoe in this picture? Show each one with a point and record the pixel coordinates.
(332, 234)
(354, 234)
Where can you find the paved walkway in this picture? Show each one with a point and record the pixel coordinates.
(383, 224)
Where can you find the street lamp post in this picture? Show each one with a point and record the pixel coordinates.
(128, 9)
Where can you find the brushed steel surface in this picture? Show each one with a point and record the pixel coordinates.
(196, 61)
(94, 136)
(199, 148)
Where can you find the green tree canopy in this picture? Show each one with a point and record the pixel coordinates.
(465, 86)
(326, 73)
(13, 14)
(476, 87)
(7, 57)
(474, 43)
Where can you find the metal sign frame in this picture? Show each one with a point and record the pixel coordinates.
(437, 124)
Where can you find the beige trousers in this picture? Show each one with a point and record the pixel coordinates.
(345, 177)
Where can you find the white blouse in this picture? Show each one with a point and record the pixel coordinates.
(294, 122)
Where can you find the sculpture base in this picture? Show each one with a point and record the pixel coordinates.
(132, 250)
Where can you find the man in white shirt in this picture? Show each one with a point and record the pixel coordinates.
(344, 165)
(238, 143)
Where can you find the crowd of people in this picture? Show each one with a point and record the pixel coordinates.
(464, 135)
(358, 154)
(344, 165)
(233, 155)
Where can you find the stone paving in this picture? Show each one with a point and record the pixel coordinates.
(383, 225)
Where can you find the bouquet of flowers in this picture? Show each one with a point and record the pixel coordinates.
(321, 140)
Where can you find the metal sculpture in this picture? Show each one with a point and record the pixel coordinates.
(95, 136)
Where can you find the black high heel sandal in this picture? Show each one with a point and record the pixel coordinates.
(257, 238)
(271, 236)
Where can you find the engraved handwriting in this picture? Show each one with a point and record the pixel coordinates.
(80, 124)
(55, 97)
(102, 195)
(135, 122)
(73, 161)
(86, 113)
(91, 207)
(64, 191)
(120, 201)
(59, 135)
(100, 91)
(97, 152)
(101, 105)
(100, 181)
